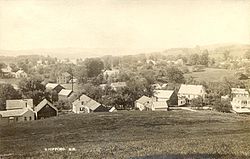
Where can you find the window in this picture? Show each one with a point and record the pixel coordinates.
(244, 102)
(25, 118)
(81, 109)
(82, 103)
(30, 118)
(16, 118)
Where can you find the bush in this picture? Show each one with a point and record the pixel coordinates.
(222, 106)
(63, 105)
(197, 102)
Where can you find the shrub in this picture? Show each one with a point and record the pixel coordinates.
(222, 106)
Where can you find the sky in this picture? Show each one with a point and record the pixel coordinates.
(130, 24)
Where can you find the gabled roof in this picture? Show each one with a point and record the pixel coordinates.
(103, 85)
(19, 104)
(16, 112)
(102, 108)
(65, 92)
(52, 85)
(110, 72)
(66, 74)
(118, 84)
(8, 69)
(239, 91)
(42, 104)
(87, 102)
(20, 71)
(164, 85)
(160, 105)
(241, 98)
(163, 93)
(191, 89)
(144, 100)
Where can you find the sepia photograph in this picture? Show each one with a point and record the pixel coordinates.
(125, 79)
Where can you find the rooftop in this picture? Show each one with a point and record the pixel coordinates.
(118, 84)
(239, 90)
(87, 101)
(19, 104)
(163, 93)
(16, 112)
(42, 104)
(65, 92)
(51, 85)
(191, 89)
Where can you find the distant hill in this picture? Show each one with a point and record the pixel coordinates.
(237, 50)
(73, 53)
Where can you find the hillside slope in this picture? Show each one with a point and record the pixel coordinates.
(130, 134)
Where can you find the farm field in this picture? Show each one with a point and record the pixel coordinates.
(211, 74)
(131, 134)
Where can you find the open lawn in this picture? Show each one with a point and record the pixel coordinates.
(131, 134)
(211, 74)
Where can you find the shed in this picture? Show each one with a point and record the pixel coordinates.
(45, 109)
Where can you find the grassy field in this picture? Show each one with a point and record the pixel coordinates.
(131, 134)
(211, 74)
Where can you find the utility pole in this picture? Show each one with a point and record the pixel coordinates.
(72, 82)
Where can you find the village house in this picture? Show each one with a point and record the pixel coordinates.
(39, 63)
(45, 109)
(16, 115)
(165, 96)
(159, 106)
(118, 85)
(241, 104)
(85, 104)
(103, 86)
(65, 94)
(143, 103)
(54, 87)
(7, 72)
(21, 74)
(17, 111)
(151, 62)
(110, 73)
(189, 92)
(239, 92)
(146, 103)
(64, 78)
(177, 62)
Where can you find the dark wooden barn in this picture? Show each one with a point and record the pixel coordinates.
(45, 109)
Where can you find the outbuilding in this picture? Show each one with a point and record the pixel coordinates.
(45, 109)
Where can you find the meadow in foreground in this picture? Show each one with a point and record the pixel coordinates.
(131, 134)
